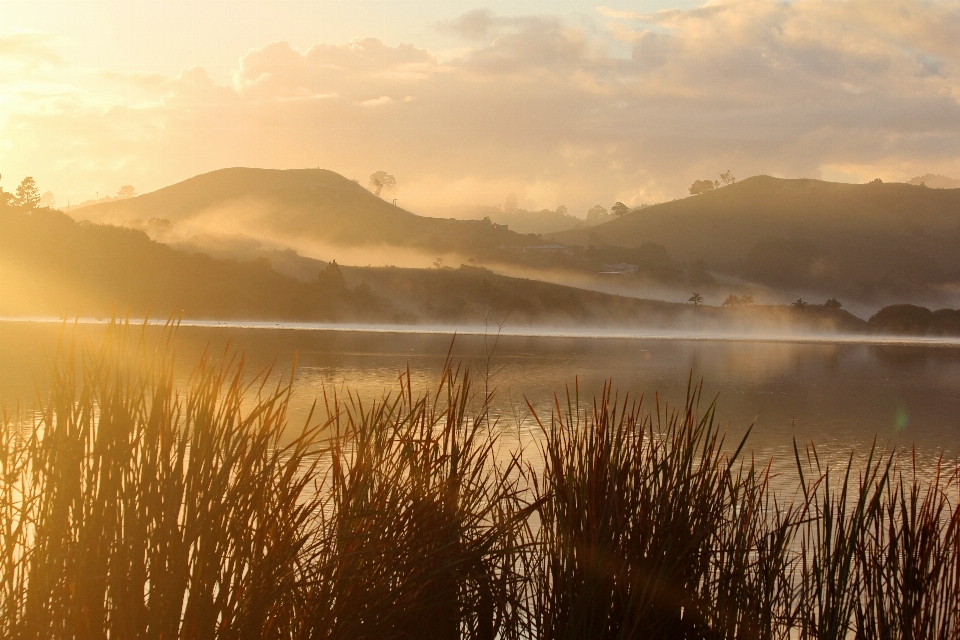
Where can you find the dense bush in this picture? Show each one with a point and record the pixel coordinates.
(914, 320)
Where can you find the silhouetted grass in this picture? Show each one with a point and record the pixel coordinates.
(132, 508)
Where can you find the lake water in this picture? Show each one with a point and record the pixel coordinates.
(841, 395)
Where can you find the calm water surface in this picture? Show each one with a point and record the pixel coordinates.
(840, 396)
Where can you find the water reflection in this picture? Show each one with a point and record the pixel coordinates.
(841, 396)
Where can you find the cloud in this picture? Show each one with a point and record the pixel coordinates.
(28, 49)
(537, 106)
(473, 25)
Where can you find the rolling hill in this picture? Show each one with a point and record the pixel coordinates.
(874, 242)
(51, 265)
(299, 205)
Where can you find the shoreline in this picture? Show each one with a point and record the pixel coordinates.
(520, 332)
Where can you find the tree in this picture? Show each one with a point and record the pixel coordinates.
(727, 178)
(800, 304)
(902, 318)
(702, 186)
(732, 301)
(330, 279)
(832, 303)
(126, 191)
(619, 209)
(27, 196)
(596, 214)
(381, 180)
(48, 200)
(746, 300)
(159, 228)
(696, 299)
(562, 210)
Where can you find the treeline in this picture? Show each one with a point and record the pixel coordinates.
(911, 319)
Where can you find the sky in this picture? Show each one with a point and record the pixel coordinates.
(563, 103)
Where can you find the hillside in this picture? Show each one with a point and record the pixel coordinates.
(936, 181)
(301, 205)
(471, 295)
(873, 241)
(519, 220)
(52, 265)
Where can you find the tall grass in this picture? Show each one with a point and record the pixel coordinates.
(650, 530)
(130, 507)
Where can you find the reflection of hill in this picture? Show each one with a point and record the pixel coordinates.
(303, 204)
(872, 241)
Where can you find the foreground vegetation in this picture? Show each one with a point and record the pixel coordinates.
(130, 507)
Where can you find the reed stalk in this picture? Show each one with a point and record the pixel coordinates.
(131, 506)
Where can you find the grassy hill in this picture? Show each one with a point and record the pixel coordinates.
(302, 204)
(53, 265)
(872, 241)
(469, 295)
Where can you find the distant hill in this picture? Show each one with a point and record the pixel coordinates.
(936, 181)
(311, 204)
(520, 220)
(52, 265)
(871, 241)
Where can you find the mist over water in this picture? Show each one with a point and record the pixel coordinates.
(841, 395)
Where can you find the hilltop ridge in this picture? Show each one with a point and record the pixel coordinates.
(866, 240)
(298, 204)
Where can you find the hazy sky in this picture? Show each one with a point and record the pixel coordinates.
(561, 102)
